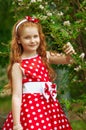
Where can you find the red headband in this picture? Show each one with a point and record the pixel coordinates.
(31, 19)
(27, 18)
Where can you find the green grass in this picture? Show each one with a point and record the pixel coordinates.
(3, 77)
(78, 125)
(5, 104)
(5, 107)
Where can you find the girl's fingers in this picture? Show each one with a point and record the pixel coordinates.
(67, 45)
(68, 49)
(17, 127)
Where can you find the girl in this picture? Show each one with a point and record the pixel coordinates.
(34, 103)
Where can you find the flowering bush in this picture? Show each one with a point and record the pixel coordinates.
(63, 21)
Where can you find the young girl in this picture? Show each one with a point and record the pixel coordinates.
(34, 103)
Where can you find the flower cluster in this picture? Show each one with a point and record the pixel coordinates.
(66, 23)
(60, 13)
(32, 1)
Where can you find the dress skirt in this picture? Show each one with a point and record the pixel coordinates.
(39, 114)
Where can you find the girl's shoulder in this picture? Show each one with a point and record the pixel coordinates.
(16, 69)
(15, 66)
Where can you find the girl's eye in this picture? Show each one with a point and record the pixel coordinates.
(27, 37)
(35, 36)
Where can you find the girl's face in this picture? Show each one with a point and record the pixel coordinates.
(30, 40)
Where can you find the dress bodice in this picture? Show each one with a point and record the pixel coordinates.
(34, 70)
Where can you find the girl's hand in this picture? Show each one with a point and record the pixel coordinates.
(68, 49)
(17, 127)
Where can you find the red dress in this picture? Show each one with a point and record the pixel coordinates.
(40, 110)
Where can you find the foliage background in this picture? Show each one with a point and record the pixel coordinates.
(63, 21)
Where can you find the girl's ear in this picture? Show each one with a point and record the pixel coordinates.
(19, 41)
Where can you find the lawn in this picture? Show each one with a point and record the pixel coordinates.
(78, 125)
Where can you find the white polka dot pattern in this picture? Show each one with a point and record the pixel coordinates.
(34, 70)
(36, 112)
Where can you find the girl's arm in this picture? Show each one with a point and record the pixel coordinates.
(57, 58)
(16, 96)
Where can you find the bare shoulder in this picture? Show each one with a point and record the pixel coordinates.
(16, 75)
(16, 69)
(16, 79)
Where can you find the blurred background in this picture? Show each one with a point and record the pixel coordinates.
(63, 21)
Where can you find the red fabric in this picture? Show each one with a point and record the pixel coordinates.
(31, 19)
(36, 112)
(34, 70)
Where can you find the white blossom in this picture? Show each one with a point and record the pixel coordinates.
(39, 0)
(46, 3)
(41, 7)
(79, 21)
(82, 56)
(20, 0)
(66, 23)
(60, 14)
(77, 68)
(32, 1)
(53, 22)
(49, 14)
(44, 17)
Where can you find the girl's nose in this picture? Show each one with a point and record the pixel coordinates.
(32, 40)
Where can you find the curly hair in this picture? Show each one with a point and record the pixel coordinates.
(17, 49)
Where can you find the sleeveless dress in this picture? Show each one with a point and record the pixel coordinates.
(40, 110)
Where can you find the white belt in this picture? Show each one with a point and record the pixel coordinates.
(45, 88)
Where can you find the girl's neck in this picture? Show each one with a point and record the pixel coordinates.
(27, 55)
